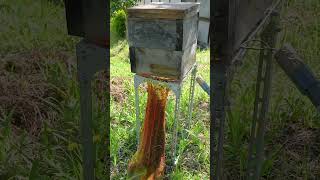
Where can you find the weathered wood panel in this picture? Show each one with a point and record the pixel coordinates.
(204, 14)
(190, 31)
(170, 34)
(163, 47)
(164, 63)
(164, 10)
(161, 34)
(157, 62)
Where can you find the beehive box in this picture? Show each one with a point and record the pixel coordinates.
(163, 39)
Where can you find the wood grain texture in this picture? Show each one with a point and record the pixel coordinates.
(152, 33)
(158, 62)
(163, 63)
(162, 33)
(164, 10)
(162, 46)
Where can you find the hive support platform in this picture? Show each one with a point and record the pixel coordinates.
(90, 59)
(176, 87)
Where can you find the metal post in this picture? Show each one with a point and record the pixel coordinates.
(191, 95)
(137, 82)
(264, 79)
(218, 101)
(86, 127)
(90, 59)
(176, 126)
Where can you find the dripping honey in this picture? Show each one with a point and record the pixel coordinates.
(148, 163)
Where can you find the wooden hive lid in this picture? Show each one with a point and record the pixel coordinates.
(162, 10)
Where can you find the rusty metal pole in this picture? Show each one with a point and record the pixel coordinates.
(261, 105)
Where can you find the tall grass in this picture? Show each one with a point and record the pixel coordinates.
(292, 143)
(37, 29)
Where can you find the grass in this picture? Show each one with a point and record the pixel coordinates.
(39, 109)
(194, 150)
(293, 123)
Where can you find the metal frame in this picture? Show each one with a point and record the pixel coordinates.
(90, 59)
(176, 87)
(223, 59)
(263, 90)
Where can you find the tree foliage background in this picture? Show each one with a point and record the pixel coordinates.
(121, 5)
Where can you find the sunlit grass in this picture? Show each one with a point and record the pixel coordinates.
(193, 151)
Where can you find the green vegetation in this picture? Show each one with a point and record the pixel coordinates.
(118, 22)
(39, 109)
(117, 5)
(292, 137)
(194, 150)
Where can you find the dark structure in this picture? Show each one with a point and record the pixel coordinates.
(236, 24)
(89, 20)
(300, 74)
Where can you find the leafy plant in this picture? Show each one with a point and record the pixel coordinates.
(117, 5)
(119, 23)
